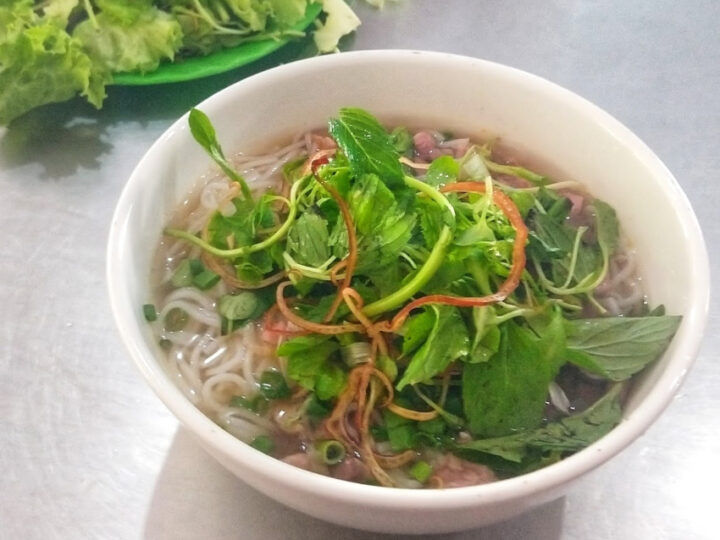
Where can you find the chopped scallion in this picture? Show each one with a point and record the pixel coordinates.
(331, 452)
(176, 319)
(182, 276)
(421, 471)
(263, 443)
(196, 266)
(150, 312)
(205, 280)
(273, 385)
(257, 404)
(316, 409)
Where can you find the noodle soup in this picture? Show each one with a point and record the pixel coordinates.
(403, 308)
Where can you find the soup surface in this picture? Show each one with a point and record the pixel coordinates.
(400, 307)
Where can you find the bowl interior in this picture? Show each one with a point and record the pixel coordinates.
(453, 93)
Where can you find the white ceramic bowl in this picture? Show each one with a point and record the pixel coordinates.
(450, 92)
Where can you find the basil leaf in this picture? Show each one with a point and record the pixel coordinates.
(508, 392)
(308, 240)
(549, 238)
(273, 385)
(607, 228)
(619, 347)
(447, 341)
(567, 435)
(367, 145)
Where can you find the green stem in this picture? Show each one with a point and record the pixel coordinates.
(426, 272)
(430, 266)
(431, 192)
(573, 259)
(244, 250)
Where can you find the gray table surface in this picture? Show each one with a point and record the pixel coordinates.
(86, 449)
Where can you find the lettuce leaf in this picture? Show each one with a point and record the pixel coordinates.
(341, 20)
(117, 46)
(287, 12)
(59, 10)
(42, 64)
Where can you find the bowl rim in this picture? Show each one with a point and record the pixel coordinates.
(687, 339)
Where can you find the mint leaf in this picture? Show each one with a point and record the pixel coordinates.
(367, 145)
(447, 341)
(619, 347)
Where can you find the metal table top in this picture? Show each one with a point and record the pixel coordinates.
(86, 449)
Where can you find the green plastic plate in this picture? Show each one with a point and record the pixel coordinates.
(217, 62)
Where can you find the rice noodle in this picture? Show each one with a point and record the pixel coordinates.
(621, 293)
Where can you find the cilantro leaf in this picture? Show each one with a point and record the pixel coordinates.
(383, 227)
(312, 364)
(447, 341)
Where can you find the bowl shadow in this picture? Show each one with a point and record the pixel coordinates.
(195, 497)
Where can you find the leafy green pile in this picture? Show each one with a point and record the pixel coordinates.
(52, 50)
(424, 316)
